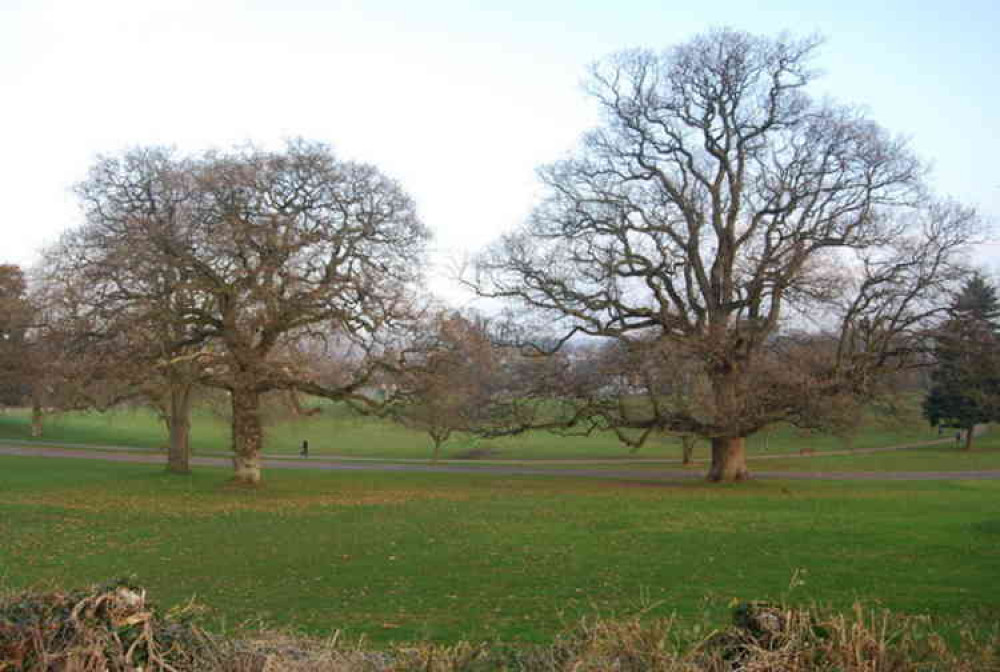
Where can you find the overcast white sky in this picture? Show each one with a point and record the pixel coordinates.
(460, 101)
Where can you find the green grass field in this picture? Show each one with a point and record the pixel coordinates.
(938, 457)
(336, 431)
(448, 556)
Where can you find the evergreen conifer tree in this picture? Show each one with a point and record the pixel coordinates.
(965, 383)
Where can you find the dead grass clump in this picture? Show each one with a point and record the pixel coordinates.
(767, 637)
(114, 629)
(110, 628)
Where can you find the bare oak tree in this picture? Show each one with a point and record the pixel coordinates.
(117, 304)
(715, 202)
(233, 258)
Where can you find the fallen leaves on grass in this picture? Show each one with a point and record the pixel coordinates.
(90, 502)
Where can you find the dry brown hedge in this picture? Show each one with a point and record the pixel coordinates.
(113, 628)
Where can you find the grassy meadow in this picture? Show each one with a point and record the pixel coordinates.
(336, 431)
(441, 557)
(942, 457)
(936, 457)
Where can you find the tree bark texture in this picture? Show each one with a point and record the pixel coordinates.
(729, 460)
(247, 435)
(179, 428)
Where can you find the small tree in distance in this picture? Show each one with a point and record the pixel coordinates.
(449, 388)
(38, 365)
(15, 319)
(965, 383)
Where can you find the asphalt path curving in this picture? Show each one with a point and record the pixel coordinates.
(326, 464)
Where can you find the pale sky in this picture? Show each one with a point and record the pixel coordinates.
(459, 101)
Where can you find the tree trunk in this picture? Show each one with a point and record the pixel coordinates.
(179, 428)
(247, 435)
(969, 432)
(729, 460)
(36, 418)
(687, 448)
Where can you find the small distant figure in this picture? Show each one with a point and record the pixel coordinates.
(940, 430)
(958, 438)
(305, 449)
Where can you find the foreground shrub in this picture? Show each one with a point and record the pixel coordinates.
(107, 628)
(113, 628)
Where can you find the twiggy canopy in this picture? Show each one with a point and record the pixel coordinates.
(244, 261)
(715, 200)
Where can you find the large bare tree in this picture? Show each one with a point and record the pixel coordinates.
(232, 259)
(715, 203)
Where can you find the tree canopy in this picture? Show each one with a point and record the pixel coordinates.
(717, 205)
(236, 268)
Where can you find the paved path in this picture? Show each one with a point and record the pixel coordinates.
(7, 448)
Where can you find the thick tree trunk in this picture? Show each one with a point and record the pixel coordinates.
(729, 460)
(969, 433)
(247, 435)
(179, 427)
(36, 418)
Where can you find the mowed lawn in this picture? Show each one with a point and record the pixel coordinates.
(397, 556)
(338, 431)
(942, 456)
